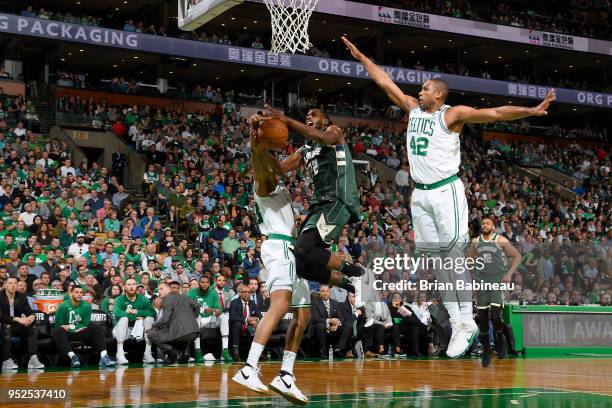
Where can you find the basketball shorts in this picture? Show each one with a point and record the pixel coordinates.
(329, 219)
(486, 298)
(280, 264)
(440, 217)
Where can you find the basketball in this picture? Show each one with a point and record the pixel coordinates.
(273, 132)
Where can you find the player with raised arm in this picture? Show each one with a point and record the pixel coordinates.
(493, 252)
(276, 221)
(335, 201)
(438, 204)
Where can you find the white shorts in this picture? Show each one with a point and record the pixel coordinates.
(280, 264)
(440, 217)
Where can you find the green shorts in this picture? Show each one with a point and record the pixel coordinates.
(485, 298)
(329, 219)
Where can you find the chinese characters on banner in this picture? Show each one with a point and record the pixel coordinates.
(403, 17)
(551, 40)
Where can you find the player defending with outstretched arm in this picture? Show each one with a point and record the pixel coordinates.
(494, 251)
(335, 202)
(438, 204)
(276, 221)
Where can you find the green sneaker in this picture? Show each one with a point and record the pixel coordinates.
(199, 356)
(226, 355)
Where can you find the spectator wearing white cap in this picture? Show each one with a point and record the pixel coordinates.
(79, 248)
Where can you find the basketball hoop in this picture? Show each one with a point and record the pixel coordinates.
(290, 24)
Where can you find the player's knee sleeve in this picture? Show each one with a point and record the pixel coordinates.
(483, 320)
(496, 316)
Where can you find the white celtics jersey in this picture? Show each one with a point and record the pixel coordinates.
(433, 150)
(274, 212)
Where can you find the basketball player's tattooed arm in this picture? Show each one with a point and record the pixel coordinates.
(383, 80)
(330, 136)
(513, 255)
(458, 115)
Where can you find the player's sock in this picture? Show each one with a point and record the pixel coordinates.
(466, 311)
(225, 342)
(288, 361)
(148, 348)
(120, 348)
(71, 354)
(350, 269)
(103, 353)
(254, 354)
(196, 343)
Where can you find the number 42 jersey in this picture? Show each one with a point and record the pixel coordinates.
(433, 150)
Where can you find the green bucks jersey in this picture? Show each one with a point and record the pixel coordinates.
(492, 255)
(331, 168)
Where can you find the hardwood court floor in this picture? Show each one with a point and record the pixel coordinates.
(551, 383)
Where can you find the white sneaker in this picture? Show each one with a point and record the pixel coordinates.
(471, 331)
(9, 365)
(248, 377)
(35, 363)
(284, 385)
(458, 344)
(148, 358)
(120, 359)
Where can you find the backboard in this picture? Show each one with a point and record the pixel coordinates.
(194, 13)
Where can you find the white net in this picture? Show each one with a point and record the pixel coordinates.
(290, 24)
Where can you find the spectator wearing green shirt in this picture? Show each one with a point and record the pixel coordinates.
(176, 201)
(21, 234)
(7, 245)
(230, 245)
(210, 310)
(73, 323)
(130, 308)
(112, 223)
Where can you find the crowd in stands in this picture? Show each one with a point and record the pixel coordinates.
(73, 225)
(582, 18)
